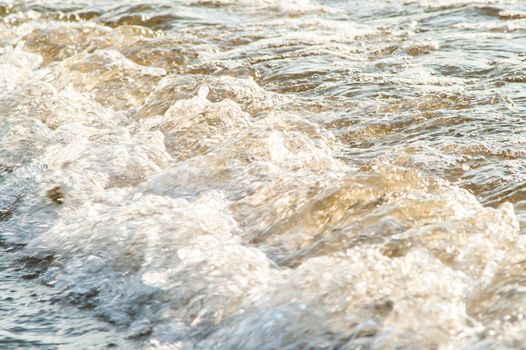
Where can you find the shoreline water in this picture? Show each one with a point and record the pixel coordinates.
(242, 174)
(34, 315)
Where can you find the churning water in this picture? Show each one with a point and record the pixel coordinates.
(263, 174)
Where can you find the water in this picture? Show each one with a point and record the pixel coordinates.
(33, 316)
(261, 174)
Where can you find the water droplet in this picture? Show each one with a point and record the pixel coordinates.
(203, 91)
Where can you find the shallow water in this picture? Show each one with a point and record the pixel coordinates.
(35, 317)
(261, 174)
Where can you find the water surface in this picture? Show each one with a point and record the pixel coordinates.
(261, 174)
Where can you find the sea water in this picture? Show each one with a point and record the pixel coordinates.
(263, 174)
